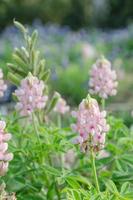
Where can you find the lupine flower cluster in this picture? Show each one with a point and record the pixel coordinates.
(103, 79)
(5, 157)
(91, 125)
(30, 95)
(3, 86)
(61, 105)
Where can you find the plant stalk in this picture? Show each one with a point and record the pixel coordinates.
(94, 171)
(35, 127)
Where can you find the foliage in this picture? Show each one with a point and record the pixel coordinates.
(43, 167)
(67, 12)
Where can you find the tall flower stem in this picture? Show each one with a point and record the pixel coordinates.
(94, 171)
(35, 128)
(41, 160)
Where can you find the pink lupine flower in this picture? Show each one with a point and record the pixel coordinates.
(3, 86)
(30, 95)
(103, 79)
(88, 51)
(5, 157)
(91, 125)
(61, 105)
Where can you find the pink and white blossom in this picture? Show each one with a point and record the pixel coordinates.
(90, 124)
(5, 157)
(103, 79)
(88, 51)
(61, 105)
(30, 95)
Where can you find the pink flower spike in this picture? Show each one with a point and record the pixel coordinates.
(2, 125)
(30, 95)
(103, 80)
(91, 125)
(5, 157)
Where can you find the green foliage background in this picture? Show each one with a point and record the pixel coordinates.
(75, 13)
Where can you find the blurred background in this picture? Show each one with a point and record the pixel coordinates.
(72, 35)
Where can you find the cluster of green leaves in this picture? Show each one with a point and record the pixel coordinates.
(38, 170)
(77, 193)
(36, 166)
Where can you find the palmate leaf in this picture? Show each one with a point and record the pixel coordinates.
(73, 183)
(123, 176)
(81, 180)
(123, 162)
(111, 186)
(125, 188)
(73, 194)
(117, 128)
(52, 170)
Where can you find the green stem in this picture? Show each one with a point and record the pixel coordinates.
(41, 160)
(94, 171)
(35, 127)
(103, 103)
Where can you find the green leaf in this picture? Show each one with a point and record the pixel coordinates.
(52, 170)
(51, 191)
(81, 179)
(125, 188)
(111, 186)
(76, 195)
(73, 183)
